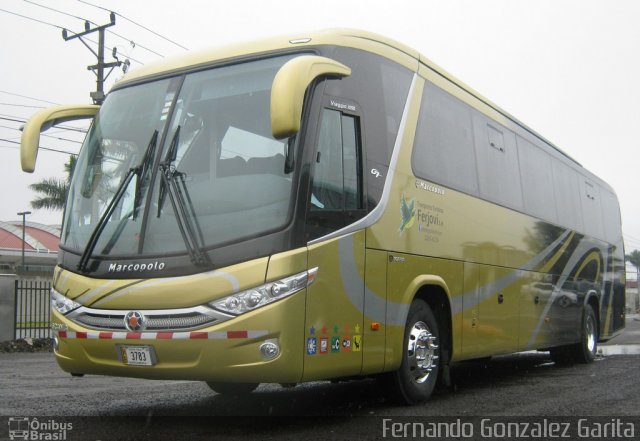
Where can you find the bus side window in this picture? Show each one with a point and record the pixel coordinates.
(337, 185)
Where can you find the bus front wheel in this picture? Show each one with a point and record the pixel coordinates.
(416, 379)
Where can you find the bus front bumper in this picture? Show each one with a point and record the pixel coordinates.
(265, 345)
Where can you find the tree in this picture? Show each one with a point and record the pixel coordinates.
(53, 191)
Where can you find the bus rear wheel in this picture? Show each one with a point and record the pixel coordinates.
(232, 388)
(416, 379)
(585, 350)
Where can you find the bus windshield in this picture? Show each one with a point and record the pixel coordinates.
(179, 165)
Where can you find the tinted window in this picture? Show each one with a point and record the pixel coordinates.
(443, 150)
(498, 168)
(567, 191)
(336, 188)
(591, 208)
(380, 87)
(537, 180)
(611, 217)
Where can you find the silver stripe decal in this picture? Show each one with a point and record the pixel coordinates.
(488, 290)
(578, 254)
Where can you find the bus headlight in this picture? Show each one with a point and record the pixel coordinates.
(260, 296)
(61, 303)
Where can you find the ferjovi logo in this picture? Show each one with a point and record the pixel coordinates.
(136, 267)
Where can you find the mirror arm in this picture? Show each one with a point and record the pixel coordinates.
(289, 87)
(43, 120)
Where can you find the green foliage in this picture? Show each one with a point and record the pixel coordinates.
(634, 259)
(52, 192)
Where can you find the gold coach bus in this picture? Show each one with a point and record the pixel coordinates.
(324, 207)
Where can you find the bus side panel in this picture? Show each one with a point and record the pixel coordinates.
(410, 275)
(334, 310)
(375, 311)
(470, 313)
(536, 300)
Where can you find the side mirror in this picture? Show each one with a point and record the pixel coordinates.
(289, 87)
(44, 120)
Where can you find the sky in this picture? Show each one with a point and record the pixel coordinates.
(569, 69)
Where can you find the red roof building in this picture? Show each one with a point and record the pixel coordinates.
(40, 247)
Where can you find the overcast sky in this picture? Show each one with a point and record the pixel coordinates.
(569, 69)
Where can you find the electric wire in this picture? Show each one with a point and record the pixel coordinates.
(22, 105)
(44, 22)
(23, 121)
(128, 40)
(32, 19)
(29, 97)
(56, 10)
(41, 148)
(95, 24)
(46, 134)
(137, 24)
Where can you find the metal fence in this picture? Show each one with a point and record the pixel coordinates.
(33, 309)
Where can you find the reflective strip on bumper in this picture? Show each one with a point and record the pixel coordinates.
(162, 335)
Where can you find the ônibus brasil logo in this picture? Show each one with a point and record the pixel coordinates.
(33, 429)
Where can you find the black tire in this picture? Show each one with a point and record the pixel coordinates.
(232, 388)
(585, 350)
(416, 379)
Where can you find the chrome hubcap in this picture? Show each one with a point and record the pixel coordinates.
(421, 352)
(591, 334)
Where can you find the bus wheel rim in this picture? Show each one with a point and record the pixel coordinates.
(591, 334)
(421, 352)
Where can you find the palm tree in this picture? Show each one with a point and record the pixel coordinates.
(53, 191)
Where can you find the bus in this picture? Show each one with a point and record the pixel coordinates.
(322, 207)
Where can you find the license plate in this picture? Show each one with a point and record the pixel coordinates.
(137, 355)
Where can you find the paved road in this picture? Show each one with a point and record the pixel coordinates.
(526, 384)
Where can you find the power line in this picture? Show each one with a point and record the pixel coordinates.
(137, 24)
(95, 24)
(42, 22)
(23, 121)
(41, 148)
(22, 105)
(28, 97)
(45, 134)
(56, 10)
(32, 19)
(628, 236)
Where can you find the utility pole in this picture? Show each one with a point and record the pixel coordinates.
(100, 66)
(23, 214)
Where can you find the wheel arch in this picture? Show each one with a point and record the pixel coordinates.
(434, 291)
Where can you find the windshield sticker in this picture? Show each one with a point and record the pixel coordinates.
(167, 105)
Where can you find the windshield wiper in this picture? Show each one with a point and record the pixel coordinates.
(170, 157)
(143, 173)
(120, 191)
(173, 183)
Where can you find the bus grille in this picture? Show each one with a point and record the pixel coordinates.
(159, 320)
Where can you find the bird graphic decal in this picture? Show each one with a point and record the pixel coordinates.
(408, 213)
